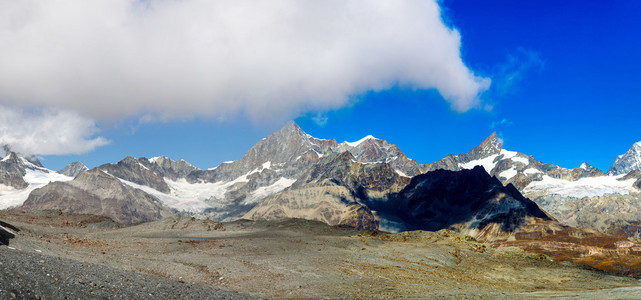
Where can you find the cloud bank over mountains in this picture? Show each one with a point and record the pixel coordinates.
(114, 59)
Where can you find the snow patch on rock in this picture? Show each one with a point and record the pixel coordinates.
(586, 187)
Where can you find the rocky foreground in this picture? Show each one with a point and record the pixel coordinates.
(57, 255)
(31, 275)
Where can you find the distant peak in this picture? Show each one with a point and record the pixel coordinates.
(491, 145)
(355, 144)
(289, 129)
(493, 139)
(290, 125)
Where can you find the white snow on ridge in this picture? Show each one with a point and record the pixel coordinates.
(264, 191)
(315, 138)
(585, 187)
(355, 144)
(37, 178)
(508, 173)
(401, 173)
(531, 171)
(522, 160)
(584, 166)
(508, 154)
(487, 163)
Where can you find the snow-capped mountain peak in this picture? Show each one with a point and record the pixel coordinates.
(630, 161)
(20, 175)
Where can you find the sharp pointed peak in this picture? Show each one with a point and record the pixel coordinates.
(494, 138)
(290, 128)
(491, 145)
(291, 124)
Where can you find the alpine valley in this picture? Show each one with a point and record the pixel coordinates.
(291, 174)
(488, 196)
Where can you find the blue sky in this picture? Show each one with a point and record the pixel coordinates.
(565, 85)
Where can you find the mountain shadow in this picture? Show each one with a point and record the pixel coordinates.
(469, 201)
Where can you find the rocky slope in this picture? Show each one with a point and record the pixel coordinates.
(96, 192)
(167, 168)
(12, 171)
(132, 170)
(629, 161)
(373, 150)
(333, 191)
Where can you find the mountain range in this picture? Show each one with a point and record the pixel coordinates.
(488, 192)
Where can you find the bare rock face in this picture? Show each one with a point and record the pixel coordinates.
(491, 145)
(628, 161)
(585, 170)
(373, 150)
(12, 174)
(289, 151)
(131, 169)
(164, 167)
(98, 193)
(334, 191)
(73, 169)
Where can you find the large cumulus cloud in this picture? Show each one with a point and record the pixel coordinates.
(113, 59)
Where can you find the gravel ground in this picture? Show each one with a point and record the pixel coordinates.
(26, 275)
(66, 255)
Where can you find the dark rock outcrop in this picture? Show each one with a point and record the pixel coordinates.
(469, 201)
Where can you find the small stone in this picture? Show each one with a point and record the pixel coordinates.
(92, 284)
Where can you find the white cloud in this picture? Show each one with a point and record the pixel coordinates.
(112, 59)
(48, 131)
